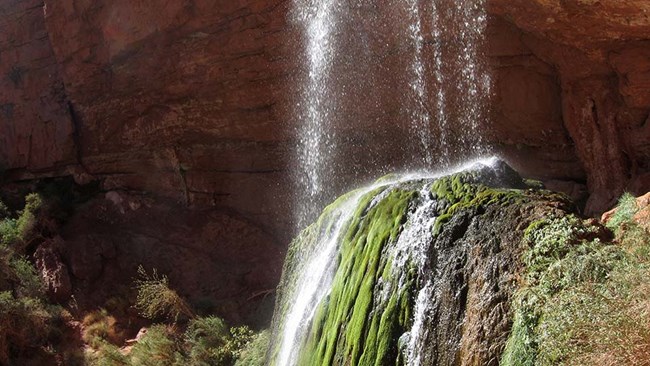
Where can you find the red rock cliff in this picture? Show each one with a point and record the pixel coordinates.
(188, 98)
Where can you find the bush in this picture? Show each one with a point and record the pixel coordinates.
(156, 299)
(4, 211)
(583, 301)
(254, 353)
(211, 343)
(207, 340)
(99, 328)
(625, 211)
(27, 281)
(106, 354)
(28, 221)
(157, 348)
(19, 233)
(24, 326)
(562, 254)
(9, 233)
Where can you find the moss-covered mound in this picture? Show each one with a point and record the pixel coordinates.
(424, 271)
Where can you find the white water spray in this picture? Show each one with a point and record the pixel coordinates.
(441, 98)
(474, 86)
(316, 141)
(420, 119)
(319, 20)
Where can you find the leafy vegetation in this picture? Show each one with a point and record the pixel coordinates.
(585, 297)
(27, 323)
(100, 327)
(206, 341)
(32, 330)
(254, 353)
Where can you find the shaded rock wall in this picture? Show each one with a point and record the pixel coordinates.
(190, 99)
(36, 131)
(599, 53)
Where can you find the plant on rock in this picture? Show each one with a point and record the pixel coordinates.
(156, 299)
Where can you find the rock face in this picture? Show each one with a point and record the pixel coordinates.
(216, 260)
(598, 51)
(424, 273)
(191, 99)
(36, 131)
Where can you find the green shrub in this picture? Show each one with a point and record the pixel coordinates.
(156, 299)
(106, 354)
(28, 221)
(583, 301)
(24, 326)
(254, 353)
(157, 348)
(20, 232)
(562, 254)
(211, 343)
(4, 211)
(9, 233)
(100, 328)
(207, 340)
(240, 337)
(27, 281)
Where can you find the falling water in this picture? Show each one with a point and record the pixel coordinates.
(473, 88)
(458, 88)
(441, 99)
(420, 119)
(316, 141)
(317, 274)
(447, 87)
(315, 283)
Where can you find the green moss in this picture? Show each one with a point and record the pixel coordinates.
(304, 245)
(370, 303)
(342, 327)
(466, 191)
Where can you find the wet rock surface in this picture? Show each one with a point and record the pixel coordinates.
(450, 307)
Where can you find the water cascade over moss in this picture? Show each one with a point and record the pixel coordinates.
(409, 271)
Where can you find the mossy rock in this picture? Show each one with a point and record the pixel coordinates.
(473, 258)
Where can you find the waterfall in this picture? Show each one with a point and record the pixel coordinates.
(444, 93)
(448, 88)
(313, 286)
(474, 85)
(317, 19)
(420, 119)
(441, 99)
(316, 273)
(309, 282)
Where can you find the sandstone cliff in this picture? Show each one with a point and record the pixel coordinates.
(189, 99)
